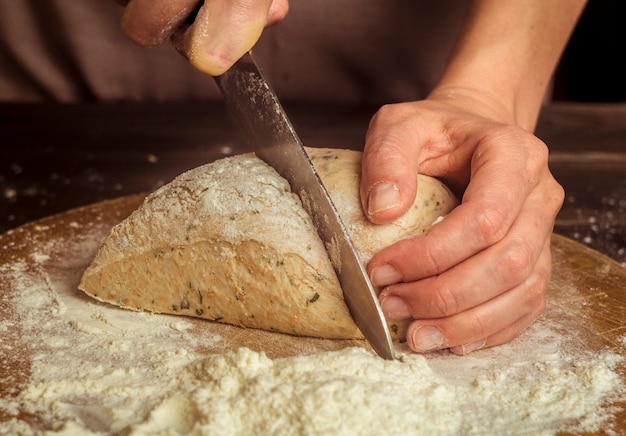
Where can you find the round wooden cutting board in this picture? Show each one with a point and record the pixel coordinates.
(586, 294)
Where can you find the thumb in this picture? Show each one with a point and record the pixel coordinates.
(389, 168)
(223, 31)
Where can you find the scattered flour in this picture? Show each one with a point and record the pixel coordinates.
(100, 370)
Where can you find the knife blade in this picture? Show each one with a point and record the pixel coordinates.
(256, 108)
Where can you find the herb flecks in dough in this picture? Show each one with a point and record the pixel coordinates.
(229, 239)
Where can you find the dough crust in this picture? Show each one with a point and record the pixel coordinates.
(229, 242)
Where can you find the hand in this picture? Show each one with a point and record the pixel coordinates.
(477, 278)
(223, 30)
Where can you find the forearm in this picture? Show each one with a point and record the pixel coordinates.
(506, 54)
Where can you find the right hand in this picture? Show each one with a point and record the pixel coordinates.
(478, 278)
(222, 32)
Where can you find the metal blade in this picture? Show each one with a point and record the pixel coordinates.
(255, 106)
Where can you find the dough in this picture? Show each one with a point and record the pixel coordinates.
(229, 242)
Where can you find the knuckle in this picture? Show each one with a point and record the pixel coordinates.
(536, 155)
(556, 196)
(536, 293)
(539, 151)
(445, 302)
(478, 327)
(387, 149)
(387, 111)
(538, 283)
(431, 258)
(536, 300)
(388, 116)
(518, 261)
(490, 224)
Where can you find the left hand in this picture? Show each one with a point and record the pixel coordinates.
(477, 278)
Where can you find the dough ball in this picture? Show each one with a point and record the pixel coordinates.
(229, 242)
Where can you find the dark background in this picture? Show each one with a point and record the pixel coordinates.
(593, 66)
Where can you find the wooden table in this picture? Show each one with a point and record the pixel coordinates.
(57, 157)
(54, 158)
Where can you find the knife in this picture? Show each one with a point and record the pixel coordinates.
(255, 106)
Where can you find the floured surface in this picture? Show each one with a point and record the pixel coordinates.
(71, 364)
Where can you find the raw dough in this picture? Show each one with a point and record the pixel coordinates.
(229, 242)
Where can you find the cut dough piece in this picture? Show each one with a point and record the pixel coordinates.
(229, 242)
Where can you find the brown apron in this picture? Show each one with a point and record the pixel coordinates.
(372, 51)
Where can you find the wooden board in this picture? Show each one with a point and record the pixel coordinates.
(587, 293)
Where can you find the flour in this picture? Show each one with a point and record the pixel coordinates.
(235, 188)
(95, 369)
(101, 370)
(351, 392)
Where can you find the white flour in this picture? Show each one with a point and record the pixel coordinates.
(102, 370)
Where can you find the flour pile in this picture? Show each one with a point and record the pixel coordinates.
(352, 392)
(101, 370)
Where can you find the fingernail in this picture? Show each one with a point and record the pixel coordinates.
(395, 308)
(384, 275)
(468, 348)
(383, 196)
(427, 339)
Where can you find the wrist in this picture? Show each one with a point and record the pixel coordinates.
(506, 54)
(479, 101)
(503, 92)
